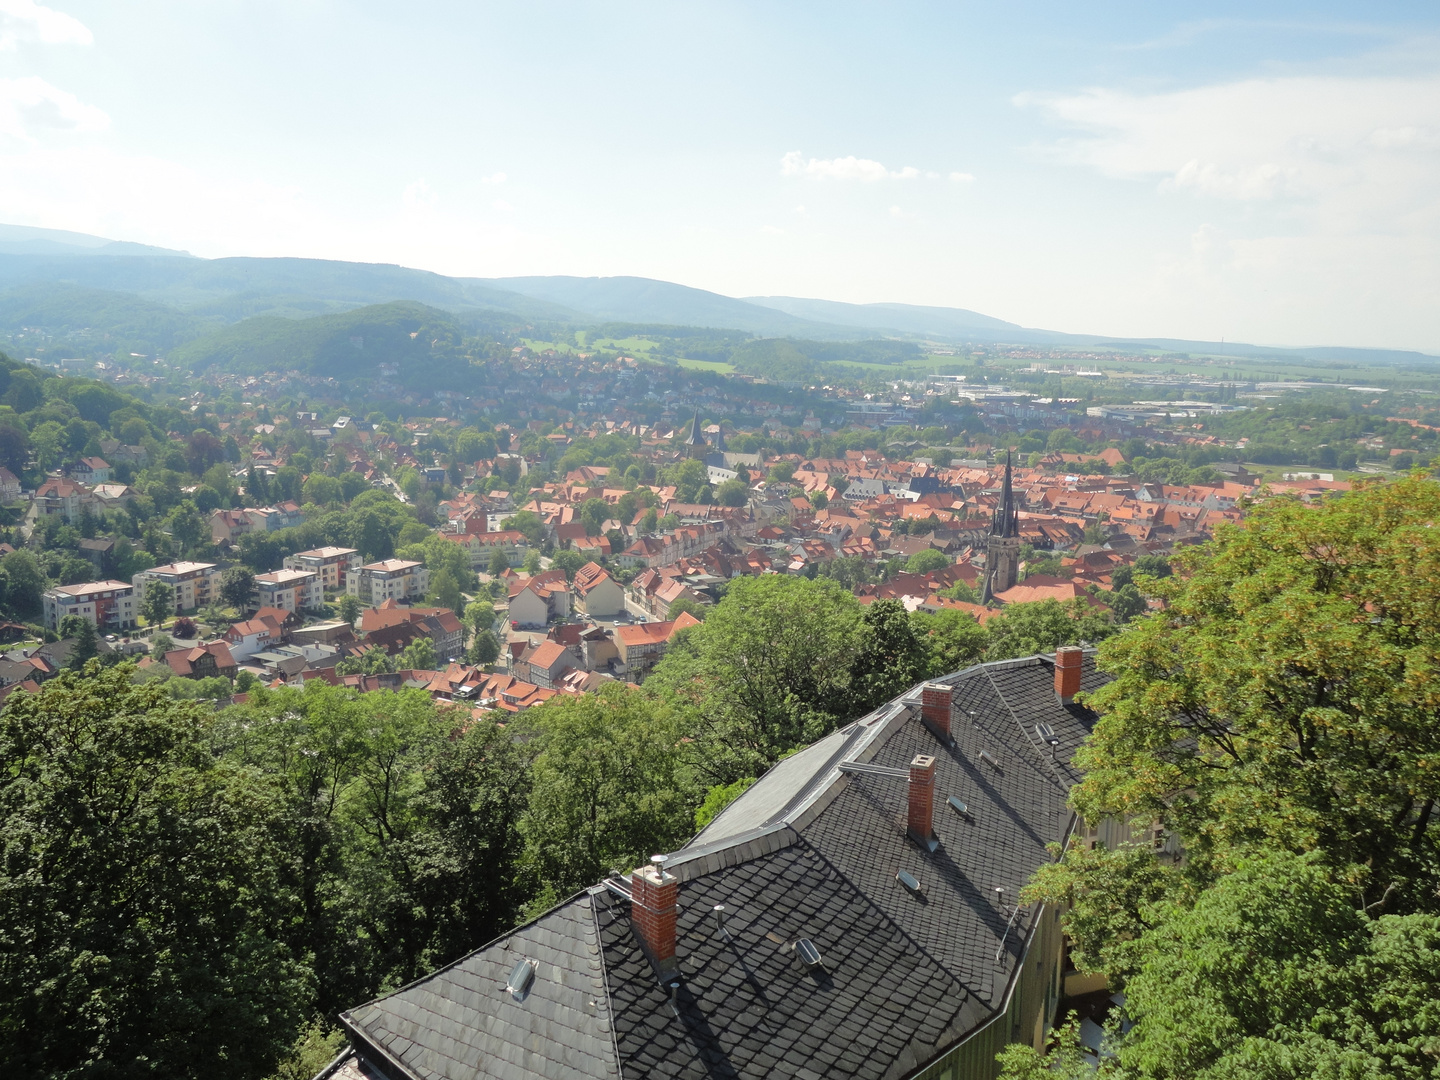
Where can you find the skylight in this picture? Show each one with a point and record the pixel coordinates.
(958, 806)
(522, 975)
(906, 879)
(808, 954)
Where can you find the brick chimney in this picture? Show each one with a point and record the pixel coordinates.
(935, 706)
(920, 820)
(1067, 673)
(652, 911)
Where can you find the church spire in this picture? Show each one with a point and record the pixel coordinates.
(695, 438)
(1004, 522)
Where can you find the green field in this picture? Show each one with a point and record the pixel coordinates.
(706, 365)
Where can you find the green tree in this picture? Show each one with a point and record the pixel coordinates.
(648, 521)
(732, 493)
(158, 603)
(1272, 971)
(419, 655)
(322, 490)
(1042, 627)
(145, 892)
(569, 561)
(69, 626)
(593, 513)
(237, 586)
(86, 647)
(767, 671)
(608, 787)
(953, 640)
(348, 607)
(1290, 691)
(25, 582)
(528, 523)
(445, 591)
(686, 606)
(373, 661)
(188, 527)
(922, 562)
(1126, 602)
(484, 648)
(499, 562)
(532, 563)
(160, 644)
(890, 659)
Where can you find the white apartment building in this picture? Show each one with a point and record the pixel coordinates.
(390, 579)
(289, 590)
(110, 605)
(331, 563)
(195, 583)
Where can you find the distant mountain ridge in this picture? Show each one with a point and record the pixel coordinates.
(200, 294)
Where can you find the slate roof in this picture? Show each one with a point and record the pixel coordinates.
(811, 850)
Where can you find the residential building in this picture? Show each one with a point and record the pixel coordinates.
(227, 526)
(545, 663)
(642, 646)
(91, 471)
(289, 590)
(596, 592)
(855, 913)
(110, 605)
(202, 661)
(331, 563)
(393, 627)
(195, 583)
(252, 636)
(389, 579)
(536, 600)
(9, 486)
(63, 496)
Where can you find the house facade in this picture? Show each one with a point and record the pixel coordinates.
(389, 579)
(289, 590)
(195, 583)
(596, 592)
(110, 605)
(331, 563)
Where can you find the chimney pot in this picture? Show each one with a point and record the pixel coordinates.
(1068, 662)
(935, 699)
(920, 819)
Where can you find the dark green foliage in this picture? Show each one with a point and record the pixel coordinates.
(891, 658)
(609, 789)
(403, 332)
(112, 805)
(237, 586)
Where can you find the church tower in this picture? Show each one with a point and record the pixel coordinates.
(695, 442)
(1002, 554)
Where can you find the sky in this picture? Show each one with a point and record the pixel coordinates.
(1260, 172)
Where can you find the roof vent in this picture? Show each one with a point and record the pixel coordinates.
(958, 806)
(522, 975)
(808, 954)
(1046, 734)
(990, 759)
(908, 880)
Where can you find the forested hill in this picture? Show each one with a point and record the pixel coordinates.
(353, 343)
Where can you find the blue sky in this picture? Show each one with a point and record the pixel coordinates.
(1259, 172)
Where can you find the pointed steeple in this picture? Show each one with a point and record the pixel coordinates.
(1004, 522)
(695, 439)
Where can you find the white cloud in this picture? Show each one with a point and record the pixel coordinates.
(962, 177)
(846, 168)
(25, 20)
(1324, 192)
(1297, 138)
(29, 105)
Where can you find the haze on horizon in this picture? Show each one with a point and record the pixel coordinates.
(1259, 172)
